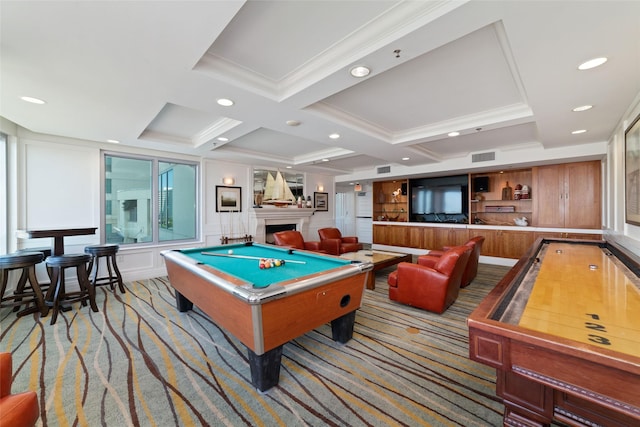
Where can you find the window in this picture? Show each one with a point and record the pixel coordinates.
(4, 191)
(139, 189)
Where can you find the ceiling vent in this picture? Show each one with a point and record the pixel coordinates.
(483, 157)
(384, 169)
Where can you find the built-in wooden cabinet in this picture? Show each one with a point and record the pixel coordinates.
(504, 243)
(568, 196)
(448, 236)
(389, 202)
(393, 235)
(565, 196)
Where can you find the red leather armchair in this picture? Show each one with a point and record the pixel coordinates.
(333, 242)
(293, 239)
(16, 410)
(430, 288)
(470, 271)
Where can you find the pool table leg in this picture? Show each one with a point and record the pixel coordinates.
(182, 303)
(342, 327)
(265, 368)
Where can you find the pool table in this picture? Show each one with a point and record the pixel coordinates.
(562, 330)
(265, 308)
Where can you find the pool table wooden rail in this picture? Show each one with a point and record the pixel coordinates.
(541, 377)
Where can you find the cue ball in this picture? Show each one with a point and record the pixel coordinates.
(230, 251)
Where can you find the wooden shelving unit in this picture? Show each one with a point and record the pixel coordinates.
(386, 206)
(511, 208)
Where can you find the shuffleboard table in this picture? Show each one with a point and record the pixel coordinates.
(266, 307)
(562, 330)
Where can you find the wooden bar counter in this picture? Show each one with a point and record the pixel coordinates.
(562, 330)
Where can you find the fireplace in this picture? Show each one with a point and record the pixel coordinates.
(274, 228)
(293, 217)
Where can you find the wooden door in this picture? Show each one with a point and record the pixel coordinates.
(514, 244)
(415, 237)
(582, 198)
(449, 237)
(380, 234)
(548, 195)
(429, 238)
(398, 235)
(490, 247)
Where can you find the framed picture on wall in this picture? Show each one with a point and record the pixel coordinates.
(321, 201)
(632, 172)
(228, 199)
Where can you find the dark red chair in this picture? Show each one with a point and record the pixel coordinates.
(333, 242)
(293, 239)
(19, 409)
(470, 271)
(430, 288)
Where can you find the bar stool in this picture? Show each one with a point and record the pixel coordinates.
(24, 294)
(57, 293)
(46, 252)
(108, 252)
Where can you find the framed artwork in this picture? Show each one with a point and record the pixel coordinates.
(632, 172)
(228, 199)
(321, 201)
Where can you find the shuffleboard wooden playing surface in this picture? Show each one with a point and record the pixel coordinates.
(583, 294)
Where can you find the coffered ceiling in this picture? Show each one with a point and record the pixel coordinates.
(149, 73)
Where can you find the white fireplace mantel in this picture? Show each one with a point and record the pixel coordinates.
(268, 215)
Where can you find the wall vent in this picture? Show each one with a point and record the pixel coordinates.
(384, 169)
(483, 157)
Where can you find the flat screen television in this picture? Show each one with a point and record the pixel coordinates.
(440, 199)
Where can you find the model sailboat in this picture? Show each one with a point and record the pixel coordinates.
(277, 192)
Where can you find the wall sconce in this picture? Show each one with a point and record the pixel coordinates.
(357, 187)
(320, 188)
(228, 180)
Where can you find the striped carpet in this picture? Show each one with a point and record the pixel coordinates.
(138, 362)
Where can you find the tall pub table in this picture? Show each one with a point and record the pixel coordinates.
(58, 235)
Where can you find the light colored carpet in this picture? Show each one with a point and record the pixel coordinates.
(139, 362)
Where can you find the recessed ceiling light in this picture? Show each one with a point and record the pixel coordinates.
(583, 108)
(334, 136)
(592, 63)
(113, 141)
(579, 131)
(406, 158)
(325, 160)
(223, 139)
(289, 167)
(360, 71)
(293, 123)
(32, 100)
(453, 133)
(225, 102)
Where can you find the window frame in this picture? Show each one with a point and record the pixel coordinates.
(155, 192)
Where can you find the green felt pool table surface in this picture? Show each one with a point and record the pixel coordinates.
(300, 263)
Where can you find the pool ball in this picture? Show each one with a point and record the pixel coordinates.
(230, 251)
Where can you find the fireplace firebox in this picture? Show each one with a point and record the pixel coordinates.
(274, 228)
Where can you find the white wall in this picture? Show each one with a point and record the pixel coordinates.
(615, 228)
